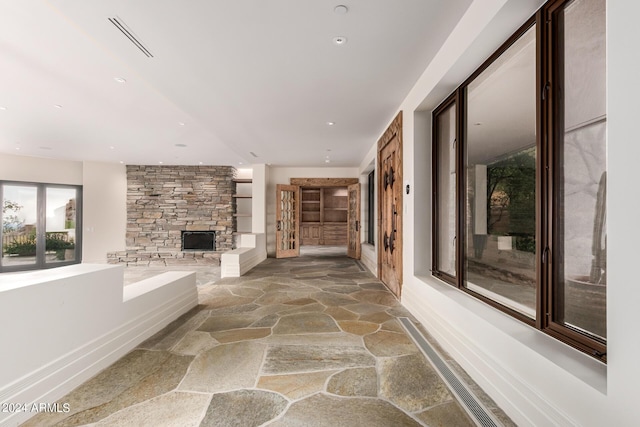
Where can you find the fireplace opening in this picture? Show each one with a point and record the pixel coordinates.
(198, 240)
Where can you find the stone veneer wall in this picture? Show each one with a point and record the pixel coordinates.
(162, 201)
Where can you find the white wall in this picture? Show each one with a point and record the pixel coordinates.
(281, 175)
(259, 199)
(104, 197)
(36, 169)
(104, 210)
(535, 378)
(623, 294)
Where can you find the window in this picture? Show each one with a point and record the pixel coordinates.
(40, 225)
(500, 178)
(444, 154)
(370, 208)
(519, 177)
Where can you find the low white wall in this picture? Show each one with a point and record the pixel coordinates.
(251, 252)
(62, 326)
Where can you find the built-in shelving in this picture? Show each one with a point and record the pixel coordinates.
(323, 216)
(242, 203)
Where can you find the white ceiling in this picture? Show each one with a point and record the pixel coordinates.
(243, 76)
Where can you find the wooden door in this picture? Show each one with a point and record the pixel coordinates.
(353, 222)
(287, 221)
(390, 206)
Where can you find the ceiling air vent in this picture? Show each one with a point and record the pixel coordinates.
(120, 25)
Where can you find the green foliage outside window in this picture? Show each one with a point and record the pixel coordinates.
(511, 189)
(26, 245)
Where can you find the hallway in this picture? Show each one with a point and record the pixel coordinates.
(308, 341)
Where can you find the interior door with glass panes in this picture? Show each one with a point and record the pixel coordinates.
(287, 221)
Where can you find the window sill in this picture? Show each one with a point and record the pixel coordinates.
(585, 368)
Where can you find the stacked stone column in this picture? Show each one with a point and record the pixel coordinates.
(163, 201)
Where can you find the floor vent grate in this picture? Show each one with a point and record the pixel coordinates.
(468, 400)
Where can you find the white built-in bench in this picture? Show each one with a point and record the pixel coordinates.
(251, 252)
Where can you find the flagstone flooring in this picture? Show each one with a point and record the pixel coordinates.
(309, 341)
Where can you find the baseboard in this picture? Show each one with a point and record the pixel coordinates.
(522, 403)
(55, 380)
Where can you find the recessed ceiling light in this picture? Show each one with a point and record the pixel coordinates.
(112, 147)
(200, 163)
(239, 163)
(331, 123)
(181, 145)
(181, 123)
(327, 161)
(3, 108)
(341, 9)
(121, 162)
(340, 40)
(58, 106)
(119, 79)
(18, 148)
(160, 162)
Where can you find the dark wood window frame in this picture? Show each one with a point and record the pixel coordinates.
(549, 62)
(452, 100)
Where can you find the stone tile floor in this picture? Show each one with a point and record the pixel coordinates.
(309, 341)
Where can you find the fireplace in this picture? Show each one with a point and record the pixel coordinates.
(166, 202)
(198, 240)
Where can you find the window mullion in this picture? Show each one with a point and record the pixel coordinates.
(41, 226)
(460, 180)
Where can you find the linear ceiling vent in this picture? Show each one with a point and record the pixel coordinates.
(119, 24)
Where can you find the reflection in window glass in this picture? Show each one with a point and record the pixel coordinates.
(60, 225)
(581, 285)
(19, 217)
(500, 184)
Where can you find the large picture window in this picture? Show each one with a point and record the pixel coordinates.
(40, 225)
(519, 176)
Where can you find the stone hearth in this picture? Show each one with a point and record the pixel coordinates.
(164, 201)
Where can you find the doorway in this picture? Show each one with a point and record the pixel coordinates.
(390, 185)
(318, 215)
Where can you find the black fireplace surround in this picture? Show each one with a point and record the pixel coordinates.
(198, 240)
